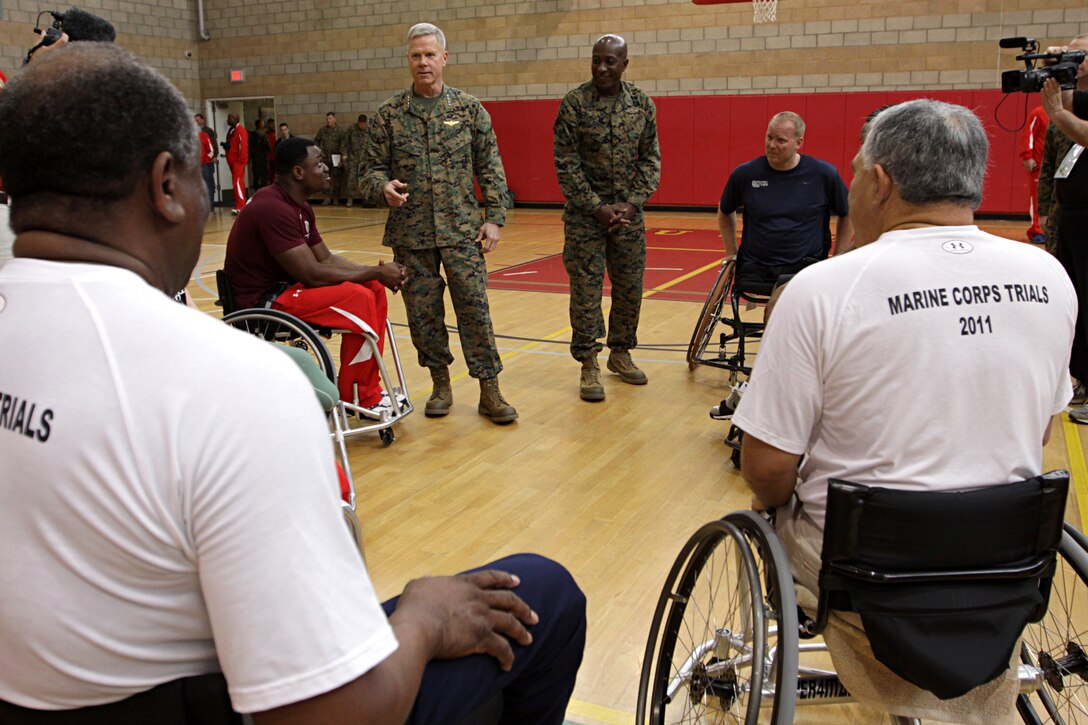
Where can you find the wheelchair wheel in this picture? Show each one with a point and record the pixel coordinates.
(284, 329)
(710, 314)
(780, 604)
(1056, 644)
(707, 659)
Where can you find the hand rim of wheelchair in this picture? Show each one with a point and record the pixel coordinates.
(770, 668)
(710, 314)
(1053, 673)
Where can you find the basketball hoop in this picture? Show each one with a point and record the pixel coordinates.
(763, 11)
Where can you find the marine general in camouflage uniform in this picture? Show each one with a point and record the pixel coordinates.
(425, 147)
(354, 154)
(608, 163)
(330, 139)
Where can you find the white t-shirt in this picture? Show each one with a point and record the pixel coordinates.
(930, 359)
(166, 481)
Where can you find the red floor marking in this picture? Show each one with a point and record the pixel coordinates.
(670, 254)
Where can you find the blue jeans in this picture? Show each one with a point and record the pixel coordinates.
(208, 170)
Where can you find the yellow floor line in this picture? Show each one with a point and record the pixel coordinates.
(1077, 468)
(681, 278)
(598, 712)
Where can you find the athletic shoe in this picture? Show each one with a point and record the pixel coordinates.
(1038, 239)
(1080, 394)
(1079, 415)
(725, 409)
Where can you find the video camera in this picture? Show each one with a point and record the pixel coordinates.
(1062, 67)
(78, 24)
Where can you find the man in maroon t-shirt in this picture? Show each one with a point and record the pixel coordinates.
(275, 244)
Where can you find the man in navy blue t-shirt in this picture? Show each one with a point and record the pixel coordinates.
(788, 200)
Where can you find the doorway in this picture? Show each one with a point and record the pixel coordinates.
(248, 110)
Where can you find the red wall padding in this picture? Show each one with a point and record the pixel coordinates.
(704, 137)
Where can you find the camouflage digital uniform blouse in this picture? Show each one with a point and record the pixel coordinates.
(438, 157)
(606, 153)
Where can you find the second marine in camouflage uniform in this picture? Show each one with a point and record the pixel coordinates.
(425, 147)
(330, 139)
(355, 151)
(608, 163)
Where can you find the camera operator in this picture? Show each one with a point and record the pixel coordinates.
(82, 26)
(1055, 146)
(1068, 110)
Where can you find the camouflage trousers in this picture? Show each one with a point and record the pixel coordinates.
(466, 273)
(1050, 230)
(588, 250)
(336, 183)
(351, 182)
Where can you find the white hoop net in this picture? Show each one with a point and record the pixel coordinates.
(763, 11)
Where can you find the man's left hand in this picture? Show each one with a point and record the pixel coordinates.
(1052, 97)
(488, 236)
(392, 275)
(627, 213)
(44, 50)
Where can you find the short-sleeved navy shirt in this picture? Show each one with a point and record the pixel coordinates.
(787, 214)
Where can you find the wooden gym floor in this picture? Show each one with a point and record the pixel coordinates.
(610, 489)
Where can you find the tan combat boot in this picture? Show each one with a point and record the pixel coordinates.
(441, 398)
(492, 404)
(620, 362)
(591, 388)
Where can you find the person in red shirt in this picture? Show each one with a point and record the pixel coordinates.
(207, 159)
(276, 249)
(1031, 152)
(237, 158)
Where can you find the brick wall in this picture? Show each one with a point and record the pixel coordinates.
(349, 55)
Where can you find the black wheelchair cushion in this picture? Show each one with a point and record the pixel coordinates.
(944, 581)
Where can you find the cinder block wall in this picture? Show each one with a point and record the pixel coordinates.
(313, 56)
(348, 55)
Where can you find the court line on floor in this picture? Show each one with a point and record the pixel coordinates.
(1077, 469)
(568, 329)
(598, 712)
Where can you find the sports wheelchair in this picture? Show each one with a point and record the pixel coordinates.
(282, 328)
(733, 342)
(731, 352)
(944, 583)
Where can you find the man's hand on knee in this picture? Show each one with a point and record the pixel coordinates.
(471, 614)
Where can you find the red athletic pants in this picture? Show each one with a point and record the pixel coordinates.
(334, 307)
(1033, 203)
(238, 178)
